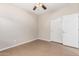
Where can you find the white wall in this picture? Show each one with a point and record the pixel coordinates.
(43, 27)
(56, 30)
(16, 26)
(44, 20)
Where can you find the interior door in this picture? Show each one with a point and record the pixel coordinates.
(56, 28)
(70, 30)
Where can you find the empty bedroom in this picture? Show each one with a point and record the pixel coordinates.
(39, 29)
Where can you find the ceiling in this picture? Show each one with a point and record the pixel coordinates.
(50, 7)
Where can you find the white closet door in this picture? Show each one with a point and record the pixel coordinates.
(56, 30)
(70, 30)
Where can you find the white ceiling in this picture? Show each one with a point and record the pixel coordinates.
(50, 7)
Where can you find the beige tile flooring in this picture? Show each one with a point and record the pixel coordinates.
(41, 48)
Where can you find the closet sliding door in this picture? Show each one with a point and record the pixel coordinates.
(70, 30)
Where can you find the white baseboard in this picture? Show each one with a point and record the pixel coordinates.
(44, 39)
(17, 44)
(22, 43)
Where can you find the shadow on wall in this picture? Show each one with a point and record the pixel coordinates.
(16, 26)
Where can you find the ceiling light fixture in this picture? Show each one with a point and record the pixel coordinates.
(39, 5)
